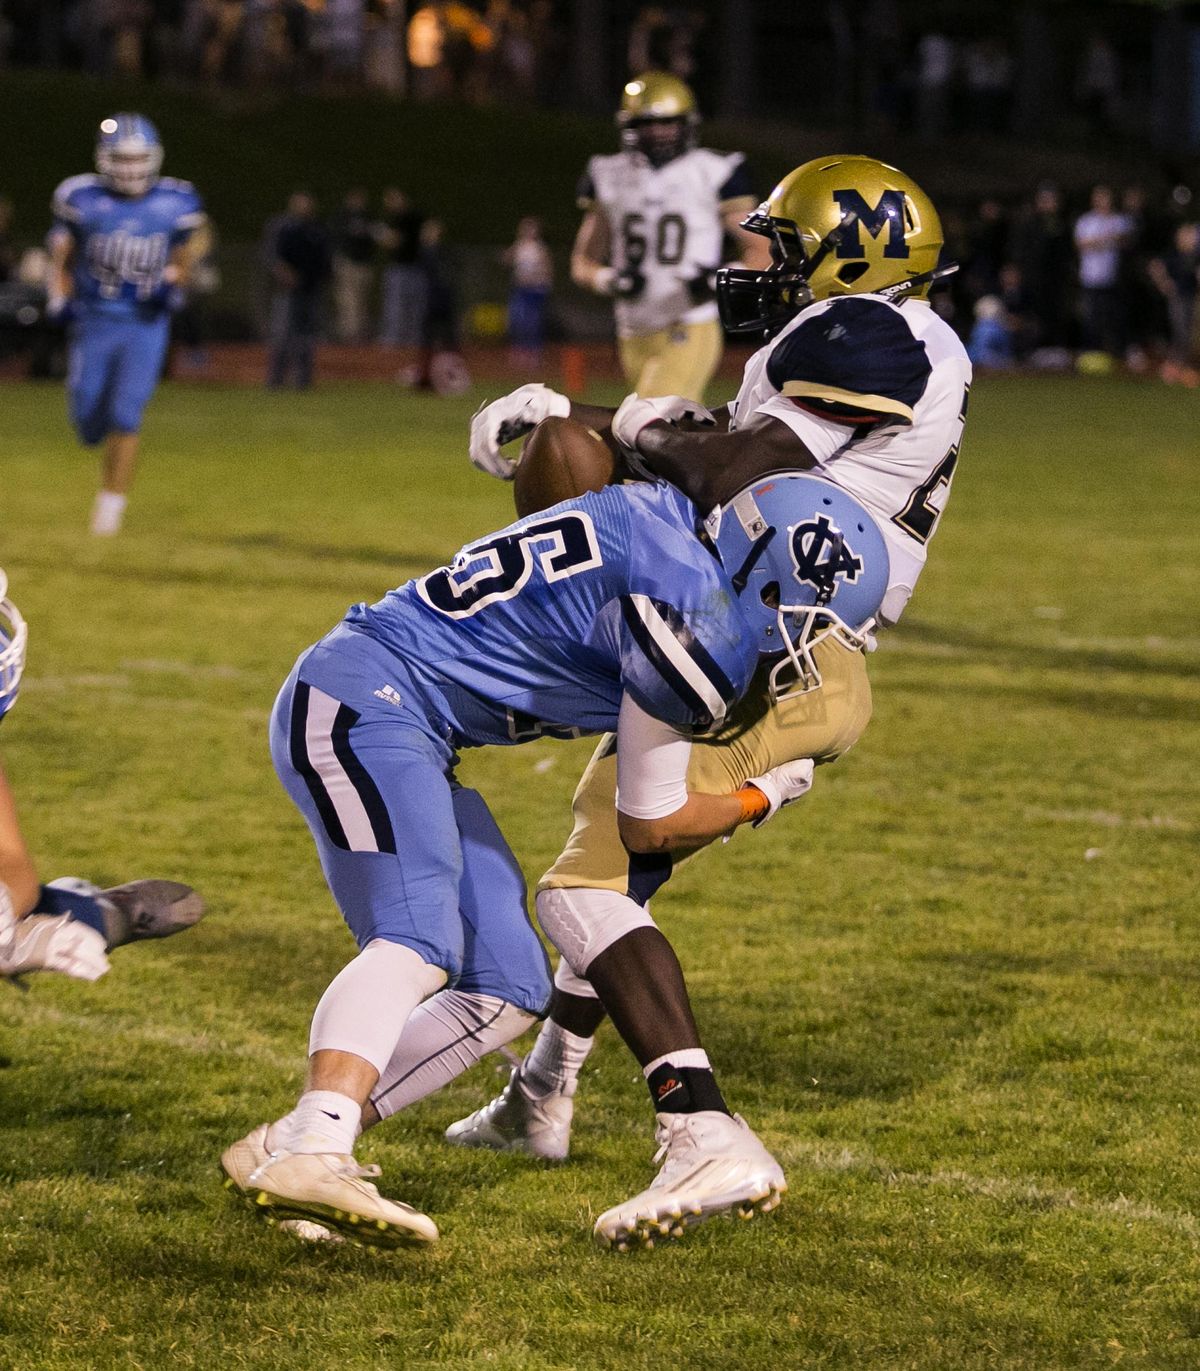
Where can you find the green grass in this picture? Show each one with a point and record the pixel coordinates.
(955, 990)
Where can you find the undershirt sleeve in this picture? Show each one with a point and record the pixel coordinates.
(652, 763)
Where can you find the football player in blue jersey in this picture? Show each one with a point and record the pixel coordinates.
(626, 611)
(861, 383)
(122, 248)
(69, 925)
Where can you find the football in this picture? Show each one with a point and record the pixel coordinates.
(561, 459)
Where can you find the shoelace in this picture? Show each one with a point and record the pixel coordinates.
(355, 1171)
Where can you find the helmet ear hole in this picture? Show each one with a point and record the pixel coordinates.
(770, 595)
(852, 272)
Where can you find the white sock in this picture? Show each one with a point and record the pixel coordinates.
(443, 1037)
(279, 1134)
(108, 512)
(555, 1061)
(684, 1056)
(368, 1002)
(324, 1121)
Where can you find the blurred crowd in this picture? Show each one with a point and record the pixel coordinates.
(1045, 283)
(441, 48)
(385, 274)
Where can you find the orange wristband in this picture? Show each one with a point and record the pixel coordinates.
(754, 803)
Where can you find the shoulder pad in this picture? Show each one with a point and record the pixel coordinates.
(853, 359)
(65, 202)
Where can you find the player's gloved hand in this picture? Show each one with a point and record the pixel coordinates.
(636, 414)
(782, 785)
(624, 284)
(512, 416)
(52, 942)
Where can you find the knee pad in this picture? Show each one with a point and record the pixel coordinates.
(571, 984)
(581, 922)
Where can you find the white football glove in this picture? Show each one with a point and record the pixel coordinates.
(52, 942)
(635, 414)
(512, 416)
(783, 785)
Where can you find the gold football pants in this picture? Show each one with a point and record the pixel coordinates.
(822, 724)
(674, 361)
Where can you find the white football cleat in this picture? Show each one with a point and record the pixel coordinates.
(517, 1120)
(713, 1163)
(242, 1159)
(331, 1191)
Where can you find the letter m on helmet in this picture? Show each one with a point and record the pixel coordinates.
(889, 214)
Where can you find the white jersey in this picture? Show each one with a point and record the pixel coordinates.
(878, 394)
(666, 223)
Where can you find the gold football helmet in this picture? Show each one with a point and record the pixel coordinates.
(658, 116)
(838, 226)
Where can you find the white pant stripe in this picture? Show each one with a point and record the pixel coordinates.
(318, 743)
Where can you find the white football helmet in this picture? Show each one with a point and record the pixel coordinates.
(13, 634)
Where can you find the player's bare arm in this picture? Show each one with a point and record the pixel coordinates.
(710, 466)
(184, 258)
(59, 287)
(17, 870)
(590, 253)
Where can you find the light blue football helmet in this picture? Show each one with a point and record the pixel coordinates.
(129, 153)
(807, 561)
(13, 634)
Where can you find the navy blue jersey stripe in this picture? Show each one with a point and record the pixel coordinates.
(298, 747)
(666, 669)
(360, 778)
(698, 708)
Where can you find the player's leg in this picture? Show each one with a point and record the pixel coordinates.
(91, 365)
(586, 905)
(375, 792)
(634, 353)
(505, 980)
(685, 361)
(138, 366)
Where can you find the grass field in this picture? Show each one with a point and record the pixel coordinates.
(955, 990)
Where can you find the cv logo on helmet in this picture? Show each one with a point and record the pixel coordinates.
(856, 212)
(820, 555)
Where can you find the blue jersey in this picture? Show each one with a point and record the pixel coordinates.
(123, 243)
(542, 627)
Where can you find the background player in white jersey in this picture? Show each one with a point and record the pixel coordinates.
(69, 925)
(861, 383)
(122, 249)
(656, 215)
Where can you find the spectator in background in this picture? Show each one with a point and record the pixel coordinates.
(8, 249)
(441, 367)
(1020, 312)
(405, 284)
(1043, 251)
(1098, 84)
(300, 267)
(991, 341)
(532, 276)
(1100, 236)
(987, 249)
(353, 236)
(936, 62)
(1175, 274)
(987, 78)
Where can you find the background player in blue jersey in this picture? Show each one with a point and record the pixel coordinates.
(621, 610)
(122, 248)
(69, 925)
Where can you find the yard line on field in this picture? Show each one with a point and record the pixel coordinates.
(1104, 818)
(824, 1157)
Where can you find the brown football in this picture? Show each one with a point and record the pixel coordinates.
(561, 459)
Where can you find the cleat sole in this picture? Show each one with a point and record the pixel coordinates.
(645, 1230)
(357, 1229)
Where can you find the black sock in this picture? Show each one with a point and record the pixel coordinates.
(684, 1090)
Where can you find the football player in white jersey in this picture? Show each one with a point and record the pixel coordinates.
(70, 925)
(655, 219)
(861, 383)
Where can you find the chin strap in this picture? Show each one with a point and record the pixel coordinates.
(903, 289)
